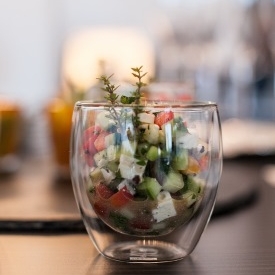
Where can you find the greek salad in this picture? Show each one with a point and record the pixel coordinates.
(144, 171)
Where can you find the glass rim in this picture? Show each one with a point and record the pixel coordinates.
(150, 104)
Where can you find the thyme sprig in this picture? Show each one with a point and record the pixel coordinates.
(113, 98)
(137, 72)
(137, 94)
(109, 89)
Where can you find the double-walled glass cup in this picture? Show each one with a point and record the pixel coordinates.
(145, 177)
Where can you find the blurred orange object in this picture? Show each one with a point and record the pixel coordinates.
(10, 134)
(60, 117)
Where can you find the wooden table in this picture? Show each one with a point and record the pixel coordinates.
(238, 242)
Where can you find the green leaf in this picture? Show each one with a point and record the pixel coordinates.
(127, 99)
(141, 162)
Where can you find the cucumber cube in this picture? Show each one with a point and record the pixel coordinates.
(153, 153)
(189, 197)
(150, 186)
(96, 175)
(180, 161)
(173, 182)
(194, 184)
(151, 133)
(113, 166)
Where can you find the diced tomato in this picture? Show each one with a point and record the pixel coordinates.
(89, 137)
(203, 162)
(103, 191)
(120, 198)
(163, 117)
(89, 146)
(99, 143)
(101, 209)
(141, 224)
(91, 132)
(101, 205)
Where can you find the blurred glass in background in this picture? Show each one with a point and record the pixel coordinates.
(10, 135)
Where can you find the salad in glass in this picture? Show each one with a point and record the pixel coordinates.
(145, 164)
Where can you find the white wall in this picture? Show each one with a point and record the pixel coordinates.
(28, 53)
(32, 33)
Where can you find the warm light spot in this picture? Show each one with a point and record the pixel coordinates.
(118, 49)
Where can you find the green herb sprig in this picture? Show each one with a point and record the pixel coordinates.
(137, 72)
(109, 89)
(137, 94)
(113, 98)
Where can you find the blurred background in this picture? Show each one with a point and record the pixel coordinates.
(51, 53)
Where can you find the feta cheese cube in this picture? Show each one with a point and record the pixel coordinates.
(129, 168)
(113, 153)
(146, 118)
(126, 183)
(165, 208)
(187, 141)
(101, 159)
(108, 175)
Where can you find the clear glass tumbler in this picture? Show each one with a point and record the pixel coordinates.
(145, 177)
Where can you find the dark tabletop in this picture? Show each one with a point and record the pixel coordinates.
(41, 231)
